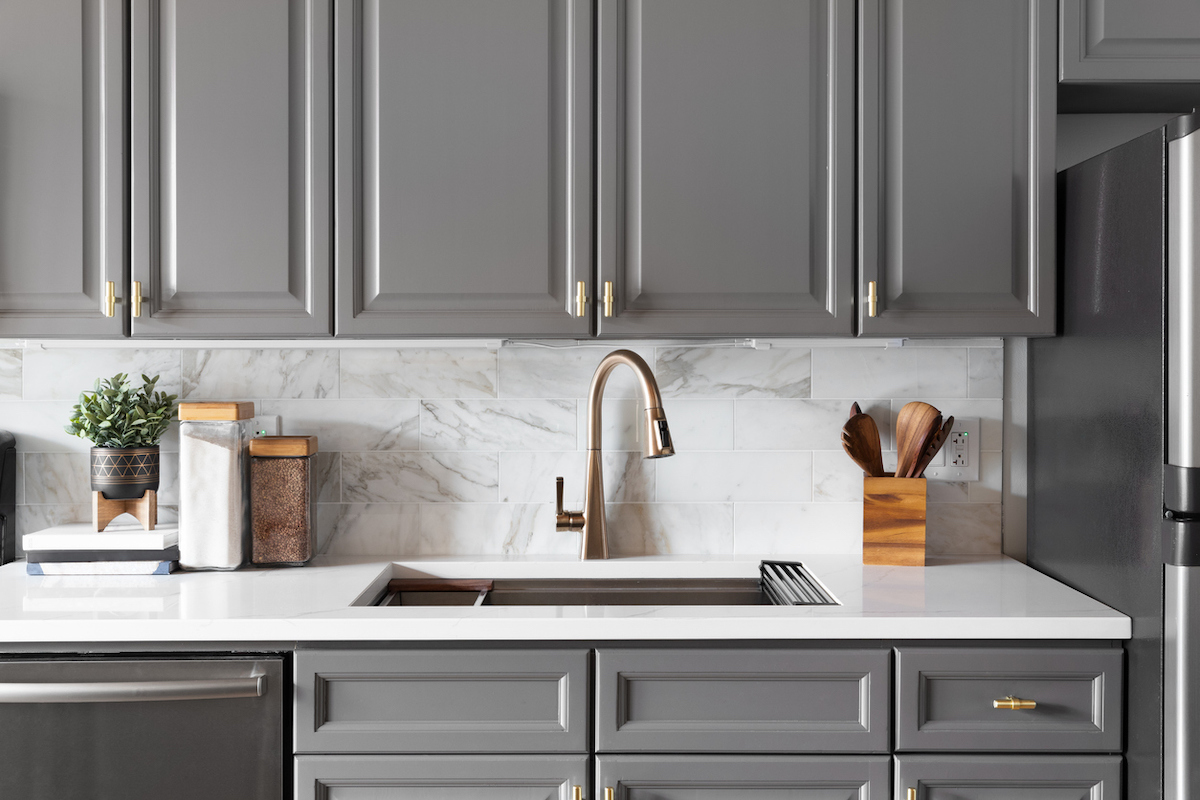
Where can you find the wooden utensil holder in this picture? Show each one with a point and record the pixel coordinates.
(894, 522)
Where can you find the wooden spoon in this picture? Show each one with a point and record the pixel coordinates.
(922, 443)
(934, 446)
(855, 410)
(860, 440)
(913, 425)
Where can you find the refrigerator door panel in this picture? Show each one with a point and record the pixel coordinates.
(1181, 684)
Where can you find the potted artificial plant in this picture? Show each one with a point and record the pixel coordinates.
(124, 425)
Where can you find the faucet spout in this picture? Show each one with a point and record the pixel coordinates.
(658, 444)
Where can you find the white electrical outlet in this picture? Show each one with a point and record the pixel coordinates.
(959, 456)
(265, 425)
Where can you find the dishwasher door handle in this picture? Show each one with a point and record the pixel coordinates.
(133, 691)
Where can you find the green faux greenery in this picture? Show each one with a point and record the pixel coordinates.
(115, 414)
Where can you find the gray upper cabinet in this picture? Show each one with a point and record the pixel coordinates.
(1129, 40)
(956, 167)
(725, 169)
(62, 166)
(463, 167)
(230, 149)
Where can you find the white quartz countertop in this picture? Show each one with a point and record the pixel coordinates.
(953, 598)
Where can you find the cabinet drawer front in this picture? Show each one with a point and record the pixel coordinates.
(743, 777)
(1026, 777)
(441, 701)
(945, 699)
(705, 701)
(444, 777)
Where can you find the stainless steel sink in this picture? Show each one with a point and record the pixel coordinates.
(586, 592)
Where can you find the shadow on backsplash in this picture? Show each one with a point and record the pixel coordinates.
(454, 451)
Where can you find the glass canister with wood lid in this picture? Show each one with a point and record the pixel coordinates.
(283, 500)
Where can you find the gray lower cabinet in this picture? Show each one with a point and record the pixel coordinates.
(743, 700)
(995, 777)
(62, 167)
(1145, 41)
(231, 185)
(756, 778)
(956, 167)
(725, 167)
(356, 777)
(463, 189)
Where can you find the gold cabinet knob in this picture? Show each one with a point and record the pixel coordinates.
(576, 793)
(872, 299)
(911, 794)
(609, 792)
(580, 298)
(608, 298)
(137, 298)
(1014, 704)
(110, 299)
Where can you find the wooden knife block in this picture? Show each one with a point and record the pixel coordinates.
(894, 522)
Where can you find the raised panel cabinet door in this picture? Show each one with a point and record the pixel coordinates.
(939, 777)
(725, 167)
(743, 777)
(62, 167)
(1149, 41)
(956, 167)
(231, 179)
(356, 777)
(463, 167)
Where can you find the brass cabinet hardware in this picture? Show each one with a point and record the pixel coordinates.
(580, 298)
(137, 298)
(608, 298)
(609, 792)
(1014, 704)
(110, 298)
(872, 299)
(911, 794)
(576, 793)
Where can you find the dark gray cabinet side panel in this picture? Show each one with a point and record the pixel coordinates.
(62, 166)
(1129, 40)
(444, 777)
(742, 701)
(441, 701)
(956, 167)
(231, 167)
(753, 777)
(944, 699)
(994, 777)
(725, 167)
(463, 167)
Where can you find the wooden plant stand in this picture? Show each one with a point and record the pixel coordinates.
(144, 509)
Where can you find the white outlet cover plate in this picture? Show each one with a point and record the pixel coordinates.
(268, 423)
(940, 470)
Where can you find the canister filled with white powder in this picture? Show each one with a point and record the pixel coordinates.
(214, 484)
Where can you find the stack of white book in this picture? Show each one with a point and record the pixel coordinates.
(121, 549)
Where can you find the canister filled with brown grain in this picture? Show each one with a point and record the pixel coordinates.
(283, 496)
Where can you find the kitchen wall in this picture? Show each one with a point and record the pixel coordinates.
(455, 450)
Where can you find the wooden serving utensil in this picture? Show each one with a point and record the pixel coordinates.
(935, 444)
(922, 442)
(855, 410)
(913, 424)
(860, 440)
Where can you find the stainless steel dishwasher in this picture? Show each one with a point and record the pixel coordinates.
(140, 729)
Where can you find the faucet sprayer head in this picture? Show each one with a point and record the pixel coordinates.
(658, 435)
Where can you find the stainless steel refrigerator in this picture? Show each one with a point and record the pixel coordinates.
(1114, 432)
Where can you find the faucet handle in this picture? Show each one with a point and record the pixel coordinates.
(565, 520)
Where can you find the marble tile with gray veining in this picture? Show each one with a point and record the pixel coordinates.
(38, 427)
(947, 492)
(770, 477)
(985, 372)
(643, 529)
(798, 528)
(58, 478)
(61, 374)
(734, 372)
(498, 424)
(700, 424)
(250, 374)
(801, 424)
(365, 529)
(499, 529)
(889, 372)
(528, 477)
(168, 479)
(990, 487)
(962, 529)
(328, 468)
(32, 518)
(990, 412)
(10, 374)
(419, 372)
(420, 477)
(621, 425)
(350, 425)
(836, 479)
(565, 372)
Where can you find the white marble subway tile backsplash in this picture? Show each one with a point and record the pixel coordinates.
(454, 451)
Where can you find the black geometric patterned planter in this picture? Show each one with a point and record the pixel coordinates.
(123, 473)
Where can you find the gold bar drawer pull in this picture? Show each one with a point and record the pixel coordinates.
(1014, 704)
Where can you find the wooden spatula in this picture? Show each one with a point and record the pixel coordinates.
(913, 426)
(933, 447)
(860, 440)
(855, 410)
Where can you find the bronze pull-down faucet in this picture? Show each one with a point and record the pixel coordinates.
(658, 444)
